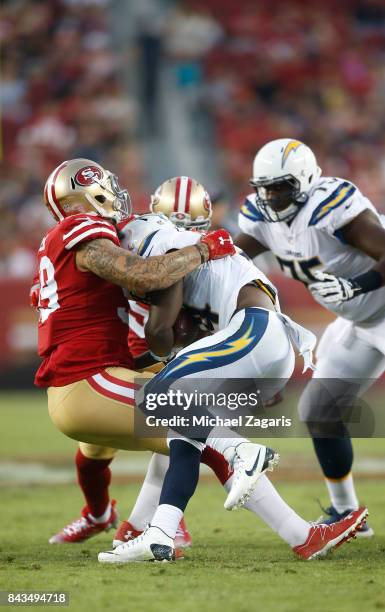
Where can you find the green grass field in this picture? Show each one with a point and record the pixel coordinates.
(236, 563)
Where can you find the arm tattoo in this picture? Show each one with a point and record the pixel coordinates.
(139, 275)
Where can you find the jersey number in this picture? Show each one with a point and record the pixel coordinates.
(300, 269)
(48, 296)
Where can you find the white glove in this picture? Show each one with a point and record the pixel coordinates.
(333, 289)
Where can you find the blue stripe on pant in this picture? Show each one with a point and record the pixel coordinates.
(225, 352)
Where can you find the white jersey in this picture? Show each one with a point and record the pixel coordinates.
(213, 288)
(313, 241)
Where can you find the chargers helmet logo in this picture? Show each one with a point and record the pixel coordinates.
(291, 146)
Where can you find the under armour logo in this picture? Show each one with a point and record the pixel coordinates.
(223, 240)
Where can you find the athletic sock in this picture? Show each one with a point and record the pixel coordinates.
(94, 477)
(167, 518)
(103, 518)
(219, 440)
(148, 498)
(182, 475)
(335, 456)
(342, 493)
(179, 485)
(266, 503)
(217, 463)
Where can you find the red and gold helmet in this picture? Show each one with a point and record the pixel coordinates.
(83, 186)
(184, 201)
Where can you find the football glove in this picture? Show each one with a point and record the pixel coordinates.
(334, 289)
(220, 244)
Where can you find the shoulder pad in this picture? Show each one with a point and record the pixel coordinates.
(250, 211)
(76, 229)
(335, 199)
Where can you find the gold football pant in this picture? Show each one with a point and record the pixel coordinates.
(99, 411)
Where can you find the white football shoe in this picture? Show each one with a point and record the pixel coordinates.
(248, 461)
(152, 545)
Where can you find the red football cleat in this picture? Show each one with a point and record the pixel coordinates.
(322, 538)
(83, 528)
(126, 532)
(183, 537)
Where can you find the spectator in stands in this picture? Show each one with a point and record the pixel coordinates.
(62, 96)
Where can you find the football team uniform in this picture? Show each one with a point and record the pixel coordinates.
(81, 326)
(137, 319)
(353, 346)
(82, 331)
(250, 343)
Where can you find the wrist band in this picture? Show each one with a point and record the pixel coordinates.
(201, 253)
(369, 281)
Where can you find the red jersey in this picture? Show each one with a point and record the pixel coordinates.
(137, 319)
(83, 318)
(138, 312)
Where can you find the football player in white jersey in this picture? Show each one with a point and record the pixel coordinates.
(325, 233)
(253, 341)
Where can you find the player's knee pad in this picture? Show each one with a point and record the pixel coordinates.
(325, 406)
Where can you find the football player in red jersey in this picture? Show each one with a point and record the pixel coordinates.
(82, 338)
(92, 461)
(82, 318)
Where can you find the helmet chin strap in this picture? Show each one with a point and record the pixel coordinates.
(286, 214)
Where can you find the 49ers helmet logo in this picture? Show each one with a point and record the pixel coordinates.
(87, 175)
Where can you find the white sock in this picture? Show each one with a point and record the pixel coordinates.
(167, 518)
(103, 518)
(266, 503)
(222, 438)
(148, 498)
(342, 493)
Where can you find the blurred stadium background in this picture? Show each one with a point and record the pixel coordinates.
(156, 88)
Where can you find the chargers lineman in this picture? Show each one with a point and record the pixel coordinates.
(326, 234)
(252, 341)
